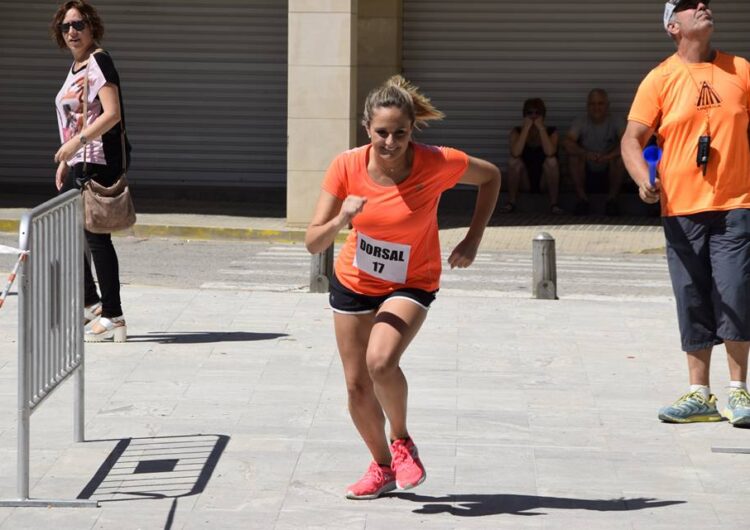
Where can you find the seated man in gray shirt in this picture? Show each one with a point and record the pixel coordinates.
(593, 147)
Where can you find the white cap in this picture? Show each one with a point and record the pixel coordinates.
(669, 8)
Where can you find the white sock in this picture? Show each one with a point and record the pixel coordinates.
(737, 385)
(703, 389)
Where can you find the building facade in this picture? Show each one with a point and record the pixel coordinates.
(264, 93)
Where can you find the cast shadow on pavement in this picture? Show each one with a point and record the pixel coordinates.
(159, 467)
(203, 337)
(468, 505)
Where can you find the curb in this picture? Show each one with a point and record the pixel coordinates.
(213, 232)
(296, 236)
(9, 225)
(594, 240)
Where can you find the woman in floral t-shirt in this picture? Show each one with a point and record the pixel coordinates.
(97, 136)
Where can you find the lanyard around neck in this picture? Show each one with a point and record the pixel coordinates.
(706, 96)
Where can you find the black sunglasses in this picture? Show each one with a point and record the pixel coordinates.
(690, 4)
(78, 25)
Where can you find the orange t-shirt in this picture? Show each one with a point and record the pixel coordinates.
(394, 242)
(675, 98)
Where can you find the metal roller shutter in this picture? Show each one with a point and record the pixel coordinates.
(204, 84)
(480, 59)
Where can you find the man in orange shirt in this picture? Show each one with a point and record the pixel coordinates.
(697, 102)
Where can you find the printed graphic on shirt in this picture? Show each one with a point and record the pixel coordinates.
(71, 102)
(382, 259)
(69, 105)
(708, 98)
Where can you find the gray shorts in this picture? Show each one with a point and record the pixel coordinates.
(709, 262)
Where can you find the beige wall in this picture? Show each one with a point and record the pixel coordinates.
(378, 49)
(338, 50)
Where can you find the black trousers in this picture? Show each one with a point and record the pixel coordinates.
(100, 246)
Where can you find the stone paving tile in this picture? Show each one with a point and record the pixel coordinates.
(515, 431)
(36, 518)
(559, 468)
(691, 512)
(509, 427)
(389, 522)
(432, 423)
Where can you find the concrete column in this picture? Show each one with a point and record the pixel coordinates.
(378, 49)
(338, 51)
(321, 120)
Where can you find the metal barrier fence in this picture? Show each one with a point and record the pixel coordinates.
(50, 323)
(321, 271)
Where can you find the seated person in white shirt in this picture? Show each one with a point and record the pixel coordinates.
(593, 147)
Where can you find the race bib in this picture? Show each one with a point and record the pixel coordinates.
(382, 259)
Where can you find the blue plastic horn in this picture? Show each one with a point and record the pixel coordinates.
(652, 155)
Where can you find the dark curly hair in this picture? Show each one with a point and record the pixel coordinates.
(88, 13)
(535, 104)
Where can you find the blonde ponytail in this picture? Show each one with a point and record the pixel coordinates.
(400, 93)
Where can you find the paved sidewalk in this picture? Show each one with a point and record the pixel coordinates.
(528, 414)
(235, 401)
(595, 235)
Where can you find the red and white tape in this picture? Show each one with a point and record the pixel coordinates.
(12, 276)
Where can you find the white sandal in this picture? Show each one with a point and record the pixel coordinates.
(113, 328)
(91, 313)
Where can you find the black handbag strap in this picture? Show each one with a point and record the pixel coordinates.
(86, 116)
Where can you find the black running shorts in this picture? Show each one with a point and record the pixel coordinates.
(346, 301)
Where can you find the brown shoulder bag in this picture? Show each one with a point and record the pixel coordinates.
(106, 209)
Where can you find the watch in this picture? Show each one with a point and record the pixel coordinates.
(83, 140)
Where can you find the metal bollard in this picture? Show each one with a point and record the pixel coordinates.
(321, 271)
(544, 280)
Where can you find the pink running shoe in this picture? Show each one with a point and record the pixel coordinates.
(376, 481)
(406, 464)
